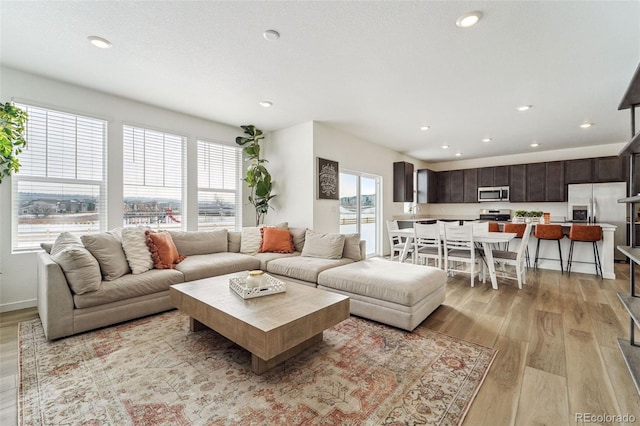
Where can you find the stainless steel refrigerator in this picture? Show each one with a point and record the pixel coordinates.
(601, 203)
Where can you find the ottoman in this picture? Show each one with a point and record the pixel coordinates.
(393, 293)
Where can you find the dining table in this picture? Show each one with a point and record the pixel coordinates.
(487, 239)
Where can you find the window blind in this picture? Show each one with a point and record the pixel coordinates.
(219, 186)
(153, 178)
(61, 183)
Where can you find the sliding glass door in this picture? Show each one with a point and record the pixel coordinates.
(359, 208)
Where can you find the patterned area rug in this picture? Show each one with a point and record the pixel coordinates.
(154, 371)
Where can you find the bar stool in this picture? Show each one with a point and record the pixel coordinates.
(493, 227)
(518, 229)
(548, 232)
(587, 234)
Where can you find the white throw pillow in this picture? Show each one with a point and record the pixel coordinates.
(106, 247)
(326, 246)
(80, 268)
(134, 243)
(251, 237)
(352, 247)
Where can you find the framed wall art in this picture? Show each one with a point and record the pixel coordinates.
(328, 179)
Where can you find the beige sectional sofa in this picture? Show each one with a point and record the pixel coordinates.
(405, 302)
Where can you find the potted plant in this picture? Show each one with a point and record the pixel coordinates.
(258, 178)
(519, 216)
(12, 141)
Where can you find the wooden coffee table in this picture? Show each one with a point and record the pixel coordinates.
(273, 328)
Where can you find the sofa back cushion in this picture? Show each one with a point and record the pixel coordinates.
(106, 247)
(80, 268)
(352, 247)
(134, 244)
(276, 240)
(200, 242)
(234, 239)
(163, 251)
(326, 246)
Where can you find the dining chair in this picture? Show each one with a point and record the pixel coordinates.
(459, 248)
(516, 259)
(518, 229)
(396, 241)
(427, 244)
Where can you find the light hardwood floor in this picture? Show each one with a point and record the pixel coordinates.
(556, 338)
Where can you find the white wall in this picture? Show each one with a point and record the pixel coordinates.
(18, 286)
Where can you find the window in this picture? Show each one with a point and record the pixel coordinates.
(61, 182)
(219, 190)
(359, 212)
(152, 178)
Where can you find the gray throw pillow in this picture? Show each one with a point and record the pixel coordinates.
(106, 247)
(326, 246)
(80, 268)
(298, 235)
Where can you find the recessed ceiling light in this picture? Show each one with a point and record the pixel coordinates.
(458, 154)
(469, 19)
(445, 147)
(265, 104)
(535, 144)
(99, 42)
(487, 140)
(271, 35)
(423, 128)
(524, 107)
(586, 125)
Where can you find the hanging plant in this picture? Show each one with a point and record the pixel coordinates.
(257, 178)
(13, 121)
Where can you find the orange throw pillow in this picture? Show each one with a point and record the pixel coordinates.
(276, 240)
(163, 251)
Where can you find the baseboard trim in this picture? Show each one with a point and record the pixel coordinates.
(16, 306)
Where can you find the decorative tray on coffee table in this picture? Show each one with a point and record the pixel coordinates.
(271, 286)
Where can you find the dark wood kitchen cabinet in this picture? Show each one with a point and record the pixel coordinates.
(471, 186)
(426, 186)
(403, 182)
(556, 189)
(456, 186)
(536, 181)
(485, 176)
(610, 169)
(518, 183)
(578, 171)
(501, 176)
(443, 195)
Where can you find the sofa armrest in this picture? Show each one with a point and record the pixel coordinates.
(363, 250)
(55, 301)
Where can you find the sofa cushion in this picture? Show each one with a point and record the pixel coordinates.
(400, 283)
(304, 268)
(276, 240)
(251, 237)
(134, 244)
(200, 242)
(233, 241)
(80, 268)
(265, 258)
(129, 286)
(106, 247)
(323, 245)
(210, 265)
(352, 247)
(163, 251)
(298, 235)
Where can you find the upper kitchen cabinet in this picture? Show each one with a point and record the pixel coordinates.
(493, 176)
(556, 189)
(610, 169)
(536, 181)
(471, 185)
(578, 171)
(426, 186)
(456, 186)
(443, 194)
(518, 183)
(403, 182)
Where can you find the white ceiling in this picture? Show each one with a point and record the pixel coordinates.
(378, 70)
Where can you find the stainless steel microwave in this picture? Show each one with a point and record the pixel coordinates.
(499, 193)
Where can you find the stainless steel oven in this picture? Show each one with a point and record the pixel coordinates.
(499, 193)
